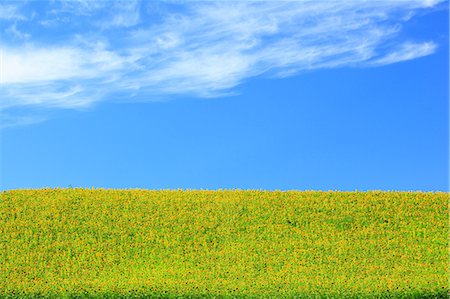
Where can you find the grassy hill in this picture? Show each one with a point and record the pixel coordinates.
(124, 243)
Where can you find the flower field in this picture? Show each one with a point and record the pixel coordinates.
(99, 243)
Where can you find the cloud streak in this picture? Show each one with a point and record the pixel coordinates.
(407, 51)
(136, 51)
(10, 12)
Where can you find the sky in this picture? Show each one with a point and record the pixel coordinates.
(275, 95)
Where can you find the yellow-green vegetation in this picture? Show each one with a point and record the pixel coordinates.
(125, 243)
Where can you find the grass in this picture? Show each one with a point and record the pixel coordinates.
(83, 243)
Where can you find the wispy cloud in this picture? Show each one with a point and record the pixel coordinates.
(77, 7)
(32, 64)
(16, 33)
(10, 11)
(127, 51)
(124, 14)
(406, 51)
(7, 120)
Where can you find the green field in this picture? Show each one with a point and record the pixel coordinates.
(137, 243)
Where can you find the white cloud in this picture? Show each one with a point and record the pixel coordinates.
(16, 33)
(7, 121)
(10, 11)
(78, 7)
(127, 14)
(406, 51)
(430, 3)
(30, 64)
(203, 48)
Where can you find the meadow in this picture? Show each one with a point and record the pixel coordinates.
(95, 243)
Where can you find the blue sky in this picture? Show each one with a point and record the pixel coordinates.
(323, 95)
